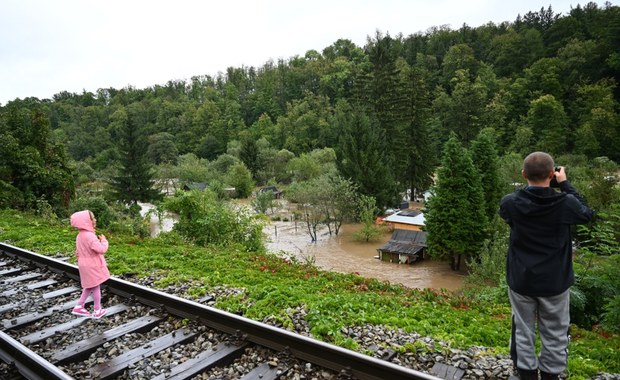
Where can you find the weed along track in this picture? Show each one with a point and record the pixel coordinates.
(148, 334)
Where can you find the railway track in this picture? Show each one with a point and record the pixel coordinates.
(148, 334)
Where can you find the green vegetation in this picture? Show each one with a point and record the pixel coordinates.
(208, 221)
(134, 181)
(34, 170)
(264, 202)
(370, 231)
(327, 200)
(455, 216)
(271, 285)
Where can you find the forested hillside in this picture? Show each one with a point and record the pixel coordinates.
(544, 81)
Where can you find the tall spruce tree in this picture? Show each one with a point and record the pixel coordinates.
(248, 153)
(485, 159)
(380, 89)
(134, 181)
(419, 153)
(456, 222)
(362, 156)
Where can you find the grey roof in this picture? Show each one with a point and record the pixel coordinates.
(405, 241)
(269, 188)
(408, 236)
(195, 185)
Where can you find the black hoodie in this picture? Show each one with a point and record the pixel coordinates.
(539, 262)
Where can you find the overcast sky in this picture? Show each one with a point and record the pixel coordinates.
(49, 46)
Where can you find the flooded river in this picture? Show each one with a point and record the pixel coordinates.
(342, 254)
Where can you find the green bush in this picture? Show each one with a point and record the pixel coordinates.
(370, 233)
(596, 270)
(43, 209)
(611, 315)
(597, 280)
(205, 220)
(104, 214)
(490, 265)
(240, 177)
(263, 202)
(10, 196)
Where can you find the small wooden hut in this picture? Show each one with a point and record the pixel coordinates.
(277, 194)
(404, 247)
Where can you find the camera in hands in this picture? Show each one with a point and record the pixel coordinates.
(554, 182)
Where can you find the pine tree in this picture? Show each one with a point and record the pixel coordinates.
(380, 89)
(362, 156)
(419, 152)
(135, 179)
(249, 155)
(485, 159)
(455, 218)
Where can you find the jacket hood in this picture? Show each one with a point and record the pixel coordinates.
(539, 200)
(81, 220)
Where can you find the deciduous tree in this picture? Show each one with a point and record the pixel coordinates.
(32, 167)
(240, 177)
(549, 124)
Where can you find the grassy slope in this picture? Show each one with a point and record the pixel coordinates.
(272, 285)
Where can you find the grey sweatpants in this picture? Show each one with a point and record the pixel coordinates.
(552, 315)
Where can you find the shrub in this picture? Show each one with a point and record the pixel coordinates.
(104, 214)
(370, 233)
(490, 265)
(264, 201)
(596, 277)
(10, 196)
(611, 316)
(205, 220)
(240, 177)
(43, 209)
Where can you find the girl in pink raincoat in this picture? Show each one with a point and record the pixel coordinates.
(90, 249)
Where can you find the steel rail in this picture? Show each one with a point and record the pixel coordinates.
(28, 363)
(314, 351)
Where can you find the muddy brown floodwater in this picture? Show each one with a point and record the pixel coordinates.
(343, 254)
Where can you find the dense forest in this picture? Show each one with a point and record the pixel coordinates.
(544, 81)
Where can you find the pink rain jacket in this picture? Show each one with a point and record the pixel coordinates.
(89, 250)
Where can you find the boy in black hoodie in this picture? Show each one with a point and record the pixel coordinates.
(539, 267)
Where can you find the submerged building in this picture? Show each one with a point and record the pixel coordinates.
(408, 242)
